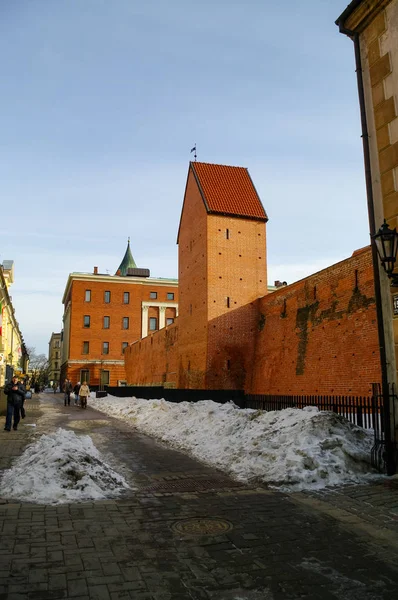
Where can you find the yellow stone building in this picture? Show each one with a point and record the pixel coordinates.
(373, 27)
(13, 355)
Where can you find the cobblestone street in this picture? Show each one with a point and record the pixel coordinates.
(187, 532)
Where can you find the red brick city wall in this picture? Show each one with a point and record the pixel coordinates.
(317, 336)
(154, 359)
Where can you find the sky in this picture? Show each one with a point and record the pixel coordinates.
(101, 102)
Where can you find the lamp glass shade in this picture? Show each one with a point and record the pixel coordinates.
(387, 246)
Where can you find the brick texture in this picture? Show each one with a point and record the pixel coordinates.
(115, 335)
(317, 336)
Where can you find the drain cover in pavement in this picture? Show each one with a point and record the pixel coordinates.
(192, 485)
(202, 526)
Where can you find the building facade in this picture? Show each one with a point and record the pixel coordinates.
(103, 314)
(54, 359)
(372, 25)
(13, 353)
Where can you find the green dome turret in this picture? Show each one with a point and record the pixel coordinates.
(127, 262)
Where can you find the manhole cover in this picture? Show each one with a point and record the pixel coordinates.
(192, 485)
(202, 526)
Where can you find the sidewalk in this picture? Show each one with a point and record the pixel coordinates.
(188, 532)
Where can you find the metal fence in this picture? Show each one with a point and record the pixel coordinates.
(364, 411)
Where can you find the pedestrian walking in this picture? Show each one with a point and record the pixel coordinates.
(76, 392)
(15, 393)
(84, 393)
(67, 391)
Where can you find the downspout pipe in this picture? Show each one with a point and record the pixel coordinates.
(390, 448)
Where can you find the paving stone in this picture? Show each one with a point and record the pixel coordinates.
(318, 546)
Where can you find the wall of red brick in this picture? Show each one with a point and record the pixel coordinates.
(319, 335)
(154, 359)
(316, 336)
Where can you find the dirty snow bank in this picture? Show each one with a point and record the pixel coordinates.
(61, 467)
(292, 449)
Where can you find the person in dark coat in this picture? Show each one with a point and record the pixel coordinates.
(15, 393)
(68, 389)
(76, 392)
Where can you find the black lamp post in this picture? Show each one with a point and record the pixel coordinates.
(387, 246)
(386, 242)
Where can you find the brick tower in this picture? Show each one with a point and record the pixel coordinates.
(222, 269)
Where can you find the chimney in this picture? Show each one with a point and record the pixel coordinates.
(95, 270)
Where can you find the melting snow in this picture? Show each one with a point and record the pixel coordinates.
(292, 449)
(61, 467)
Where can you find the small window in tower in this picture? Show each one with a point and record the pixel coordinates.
(170, 295)
(227, 301)
(125, 323)
(227, 234)
(124, 346)
(86, 347)
(86, 321)
(126, 297)
(107, 322)
(153, 324)
(107, 297)
(87, 296)
(105, 347)
(153, 295)
(169, 321)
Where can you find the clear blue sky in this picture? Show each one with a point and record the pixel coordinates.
(101, 102)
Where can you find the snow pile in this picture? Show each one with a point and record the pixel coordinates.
(61, 467)
(291, 449)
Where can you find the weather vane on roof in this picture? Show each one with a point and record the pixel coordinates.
(194, 150)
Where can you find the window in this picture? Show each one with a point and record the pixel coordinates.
(85, 376)
(124, 346)
(56, 355)
(169, 321)
(56, 365)
(86, 321)
(87, 296)
(107, 297)
(105, 347)
(153, 323)
(227, 234)
(86, 347)
(104, 377)
(125, 323)
(107, 321)
(170, 295)
(153, 295)
(126, 298)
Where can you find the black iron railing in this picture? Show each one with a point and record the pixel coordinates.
(364, 411)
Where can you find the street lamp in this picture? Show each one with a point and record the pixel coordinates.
(387, 246)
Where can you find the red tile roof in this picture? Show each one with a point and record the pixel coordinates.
(228, 190)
